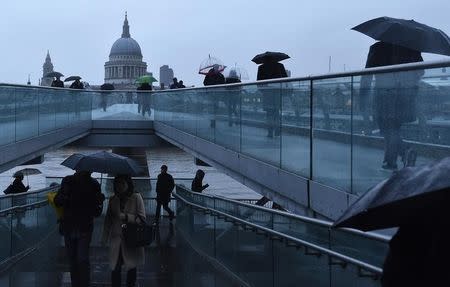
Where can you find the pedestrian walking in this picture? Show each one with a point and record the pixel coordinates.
(57, 83)
(233, 95)
(395, 98)
(181, 85)
(80, 196)
(144, 98)
(214, 77)
(125, 206)
(175, 84)
(17, 186)
(164, 187)
(197, 182)
(77, 84)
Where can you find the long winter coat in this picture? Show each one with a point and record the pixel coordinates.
(112, 231)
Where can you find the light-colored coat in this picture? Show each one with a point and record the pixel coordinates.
(112, 231)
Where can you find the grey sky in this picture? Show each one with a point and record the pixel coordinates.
(182, 33)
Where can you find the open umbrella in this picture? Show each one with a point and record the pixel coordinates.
(209, 63)
(26, 172)
(103, 162)
(270, 56)
(147, 79)
(236, 72)
(54, 74)
(107, 87)
(406, 33)
(409, 195)
(72, 78)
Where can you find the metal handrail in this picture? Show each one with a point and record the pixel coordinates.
(332, 254)
(328, 224)
(11, 210)
(368, 71)
(29, 193)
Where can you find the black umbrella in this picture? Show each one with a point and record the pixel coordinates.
(72, 78)
(270, 56)
(406, 33)
(107, 87)
(103, 162)
(54, 74)
(408, 196)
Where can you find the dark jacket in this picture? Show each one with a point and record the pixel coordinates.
(58, 83)
(395, 93)
(271, 70)
(145, 87)
(77, 85)
(197, 185)
(164, 187)
(174, 86)
(16, 187)
(80, 196)
(213, 78)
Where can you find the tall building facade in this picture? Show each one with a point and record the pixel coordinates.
(125, 63)
(47, 68)
(165, 76)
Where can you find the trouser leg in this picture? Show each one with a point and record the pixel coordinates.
(116, 278)
(167, 208)
(71, 249)
(158, 211)
(84, 267)
(131, 277)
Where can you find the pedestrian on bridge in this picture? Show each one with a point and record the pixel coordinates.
(164, 186)
(197, 182)
(126, 206)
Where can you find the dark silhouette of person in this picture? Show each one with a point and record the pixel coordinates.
(57, 83)
(175, 84)
(395, 96)
(214, 77)
(144, 99)
(17, 186)
(270, 98)
(77, 84)
(104, 96)
(197, 182)
(164, 187)
(233, 96)
(80, 196)
(181, 85)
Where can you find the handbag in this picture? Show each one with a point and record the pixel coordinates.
(137, 234)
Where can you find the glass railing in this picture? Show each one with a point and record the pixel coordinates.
(27, 112)
(11, 200)
(243, 243)
(122, 105)
(367, 247)
(338, 130)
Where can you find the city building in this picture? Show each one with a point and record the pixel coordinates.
(125, 63)
(165, 75)
(47, 68)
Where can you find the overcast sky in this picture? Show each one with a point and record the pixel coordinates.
(181, 33)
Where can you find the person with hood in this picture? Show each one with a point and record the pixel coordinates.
(144, 99)
(77, 84)
(81, 197)
(232, 97)
(197, 182)
(57, 83)
(395, 96)
(271, 69)
(125, 206)
(164, 187)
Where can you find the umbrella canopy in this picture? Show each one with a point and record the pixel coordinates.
(236, 73)
(103, 162)
(54, 74)
(72, 78)
(270, 56)
(209, 63)
(409, 195)
(147, 79)
(107, 87)
(407, 33)
(27, 171)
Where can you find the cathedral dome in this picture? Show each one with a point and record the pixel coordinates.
(125, 47)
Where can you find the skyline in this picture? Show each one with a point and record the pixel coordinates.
(79, 37)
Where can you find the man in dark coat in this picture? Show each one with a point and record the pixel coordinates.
(181, 85)
(214, 77)
(270, 97)
(233, 95)
(80, 196)
(77, 84)
(164, 187)
(57, 83)
(197, 182)
(175, 84)
(395, 96)
(17, 186)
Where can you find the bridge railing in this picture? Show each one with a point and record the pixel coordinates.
(246, 242)
(333, 129)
